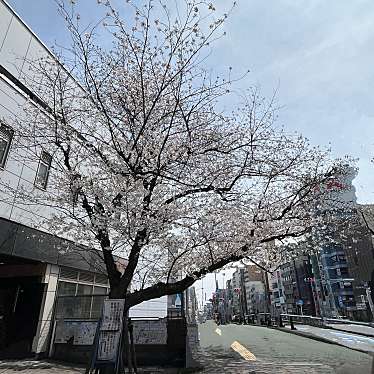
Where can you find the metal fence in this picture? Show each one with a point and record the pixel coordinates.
(268, 319)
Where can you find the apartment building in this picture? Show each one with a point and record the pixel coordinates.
(255, 289)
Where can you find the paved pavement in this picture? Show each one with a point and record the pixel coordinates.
(37, 367)
(259, 350)
(347, 339)
(360, 329)
(52, 367)
(243, 349)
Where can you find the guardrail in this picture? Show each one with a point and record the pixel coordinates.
(319, 321)
(303, 320)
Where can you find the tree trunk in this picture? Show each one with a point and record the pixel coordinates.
(126, 349)
(132, 345)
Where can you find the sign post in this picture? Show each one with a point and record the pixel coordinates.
(108, 335)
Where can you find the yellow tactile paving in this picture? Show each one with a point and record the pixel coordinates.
(247, 355)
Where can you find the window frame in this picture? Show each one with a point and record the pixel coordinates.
(48, 165)
(6, 130)
(92, 312)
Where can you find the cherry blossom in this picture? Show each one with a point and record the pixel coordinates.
(146, 163)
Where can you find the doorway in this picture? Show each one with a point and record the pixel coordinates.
(20, 302)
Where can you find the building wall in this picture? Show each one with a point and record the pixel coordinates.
(46, 317)
(254, 273)
(255, 292)
(18, 45)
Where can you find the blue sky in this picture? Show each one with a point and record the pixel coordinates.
(319, 55)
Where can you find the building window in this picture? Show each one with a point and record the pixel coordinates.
(80, 301)
(67, 289)
(84, 289)
(6, 135)
(81, 294)
(42, 174)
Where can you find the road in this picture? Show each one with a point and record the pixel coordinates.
(259, 350)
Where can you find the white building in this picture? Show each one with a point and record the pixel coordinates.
(34, 265)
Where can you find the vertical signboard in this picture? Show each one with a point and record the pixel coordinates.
(110, 330)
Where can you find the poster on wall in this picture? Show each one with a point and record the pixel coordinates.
(85, 333)
(78, 332)
(150, 332)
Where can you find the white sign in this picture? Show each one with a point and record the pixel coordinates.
(150, 332)
(108, 345)
(110, 330)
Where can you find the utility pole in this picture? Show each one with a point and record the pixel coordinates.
(267, 292)
(202, 294)
(243, 294)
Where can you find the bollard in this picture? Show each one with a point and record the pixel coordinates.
(268, 322)
(280, 321)
(292, 325)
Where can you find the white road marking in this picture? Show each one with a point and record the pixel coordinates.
(219, 332)
(244, 352)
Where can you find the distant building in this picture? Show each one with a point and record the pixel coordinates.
(304, 295)
(208, 310)
(359, 251)
(291, 287)
(219, 304)
(344, 261)
(277, 293)
(237, 287)
(229, 300)
(254, 289)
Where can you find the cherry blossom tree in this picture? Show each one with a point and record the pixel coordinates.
(146, 163)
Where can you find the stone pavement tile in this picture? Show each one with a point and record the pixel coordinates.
(215, 360)
(51, 367)
(37, 367)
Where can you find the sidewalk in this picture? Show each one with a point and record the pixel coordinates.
(347, 339)
(52, 367)
(38, 367)
(356, 329)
